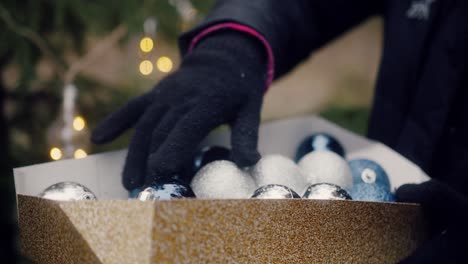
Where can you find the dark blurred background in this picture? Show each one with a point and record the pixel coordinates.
(106, 52)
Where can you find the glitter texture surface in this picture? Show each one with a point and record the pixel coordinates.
(326, 166)
(277, 169)
(218, 231)
(370, 172)
(222, 180)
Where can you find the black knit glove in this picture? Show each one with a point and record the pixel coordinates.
(447, 213)
(221, 82)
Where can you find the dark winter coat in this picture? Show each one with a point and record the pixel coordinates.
(419, 107)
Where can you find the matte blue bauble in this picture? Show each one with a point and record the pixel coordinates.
(371, 192)
(370, 172)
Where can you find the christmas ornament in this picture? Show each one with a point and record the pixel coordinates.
(318, 142)
(275, 191)
(222, 180)
(165, 190)
(368, 171)
(134, 193)
(209, 154)
(326, 191)
(277, 169)
(68, 191)
(371, 192)
(326, 166)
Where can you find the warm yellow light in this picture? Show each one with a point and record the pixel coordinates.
(146, 67)
(146, 44)
(79, 154)
(79, 123)
(55, 153)
(164, 64)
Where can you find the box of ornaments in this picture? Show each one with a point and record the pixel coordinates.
(320, 194)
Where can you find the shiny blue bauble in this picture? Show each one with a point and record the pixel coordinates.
(133, 194)
(369, 172)
(209, 154)
(165, 190)
(318, 142)
(371, 192)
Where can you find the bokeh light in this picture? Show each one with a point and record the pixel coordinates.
(55, 153)
(146, 44)
(164, 64)
(79, 123)
(79, 154)
(146, 67)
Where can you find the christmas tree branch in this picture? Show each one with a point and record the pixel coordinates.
(32, 36)
(97, 51)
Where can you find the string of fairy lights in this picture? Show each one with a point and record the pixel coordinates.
(79, 124)
(68, 136)
(164, 64)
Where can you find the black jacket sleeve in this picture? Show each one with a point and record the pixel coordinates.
(293, 28)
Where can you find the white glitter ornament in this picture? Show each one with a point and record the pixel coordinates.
(67, 191)
(277, 169)
(326, 166)
(222, 179)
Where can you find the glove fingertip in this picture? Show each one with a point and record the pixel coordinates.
(245, 159)
(130, 181)
(407, 193)
(97, 137)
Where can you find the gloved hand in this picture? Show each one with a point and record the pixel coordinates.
(447, 213)
(221, 82)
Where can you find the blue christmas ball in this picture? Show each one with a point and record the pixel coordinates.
(209, 154)
(370, 172)
(165, 190)
(371, 192)
(318, 142)
(133, 194)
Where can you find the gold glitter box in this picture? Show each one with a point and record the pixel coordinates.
(116, 230)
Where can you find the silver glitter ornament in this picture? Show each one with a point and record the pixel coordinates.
(326, 191)
(275, 191)
(68, 191)
(165, 191)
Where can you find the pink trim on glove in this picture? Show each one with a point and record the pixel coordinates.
(250, 31)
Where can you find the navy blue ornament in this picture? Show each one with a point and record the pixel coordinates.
(319, 142)
(165, 190)
(370, 172)
(209, 154)
(371, 192)
(133, 194)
